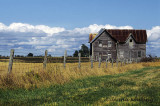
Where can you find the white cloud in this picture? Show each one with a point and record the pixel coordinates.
(49, 30)
(2, 26)
(95, 28)
(18, 48)
(57, 39)
(60, 41)
(23, 27)
(154, 33)
(153, 44)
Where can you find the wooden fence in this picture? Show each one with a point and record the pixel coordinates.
(47, 59)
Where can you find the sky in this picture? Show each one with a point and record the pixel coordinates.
(56, 25)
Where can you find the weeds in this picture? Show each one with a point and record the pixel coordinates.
(56, 74)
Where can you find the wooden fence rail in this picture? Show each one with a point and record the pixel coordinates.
(118, 62)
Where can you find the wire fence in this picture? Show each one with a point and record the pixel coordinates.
(24, 64)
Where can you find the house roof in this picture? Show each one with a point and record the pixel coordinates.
(121, 35)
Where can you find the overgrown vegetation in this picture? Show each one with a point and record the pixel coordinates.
(55, 73)
(136, 87)
(150, 58)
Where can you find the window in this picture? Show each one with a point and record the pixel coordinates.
(109, 43)
(139, 53)
(100, 54)
(104, 45)
(105, 54)
(121, 54)
(96, 58)
(131, 43)
(109, 55)
(100, 43)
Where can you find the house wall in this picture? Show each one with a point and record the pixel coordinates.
(103, 51)
(129, 50)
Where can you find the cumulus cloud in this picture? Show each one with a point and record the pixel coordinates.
(154, 33)
(33, 38)
(153, 44)
(23, 27)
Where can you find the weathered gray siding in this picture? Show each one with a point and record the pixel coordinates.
(128, 50)
(103, 51)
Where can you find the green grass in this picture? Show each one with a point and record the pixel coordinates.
(137, 87)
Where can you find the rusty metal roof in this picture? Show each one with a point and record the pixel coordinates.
(121, 35)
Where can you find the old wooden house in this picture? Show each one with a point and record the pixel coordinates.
(118, 44)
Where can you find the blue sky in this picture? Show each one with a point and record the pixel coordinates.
(31, 24)
(79, 13)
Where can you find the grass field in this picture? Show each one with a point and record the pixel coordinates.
(32, 75)
(134, 87)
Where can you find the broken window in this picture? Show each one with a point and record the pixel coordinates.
(100, 43)
(109, 43)
(109, 56)
(104, 45)
(139, 54)
(100, 54)
(121, 54)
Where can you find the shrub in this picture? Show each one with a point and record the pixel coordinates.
(149, 58)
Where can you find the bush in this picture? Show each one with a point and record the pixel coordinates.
(149, 58)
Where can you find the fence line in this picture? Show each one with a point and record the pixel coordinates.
(46, 61)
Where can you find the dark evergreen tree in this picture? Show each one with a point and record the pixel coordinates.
(84, 51)
(30, 55)
(75, 54)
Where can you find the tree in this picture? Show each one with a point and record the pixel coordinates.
(30, 55)
(84, 51)
(75, 53)
(49, 55)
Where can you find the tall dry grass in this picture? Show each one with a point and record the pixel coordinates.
(57, 74)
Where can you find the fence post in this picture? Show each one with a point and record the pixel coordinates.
(79, 54)
(45, 60)
(106, 63)
(89, 57)
(65, 55)
(117, 62)
(136, 60)
(99, 62)
(91, 61)
(11, 61)
(121, 62)
(112, 63)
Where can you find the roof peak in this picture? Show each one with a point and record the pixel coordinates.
(122, 34)
(127, 29)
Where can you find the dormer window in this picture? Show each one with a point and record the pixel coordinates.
(100, 43)
(131, 43)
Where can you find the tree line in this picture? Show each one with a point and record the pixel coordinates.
(84, 50)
